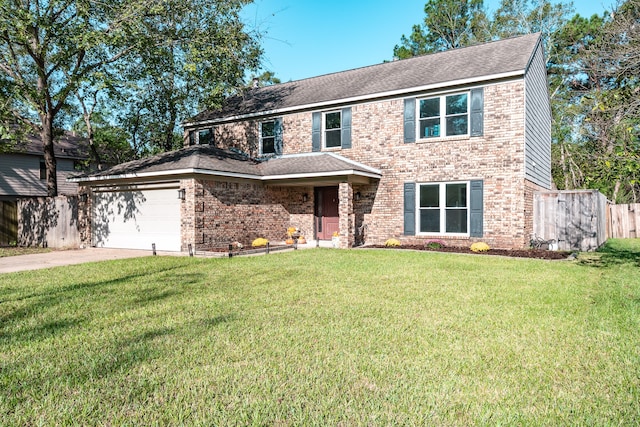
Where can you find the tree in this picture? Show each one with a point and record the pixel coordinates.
(448, 24)
(47, 47)
(572, 77)
(613, 119)
(52, 49)
(518, 17)
(203, 54)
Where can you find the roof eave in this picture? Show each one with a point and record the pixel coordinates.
(207, 172)
(355, 99)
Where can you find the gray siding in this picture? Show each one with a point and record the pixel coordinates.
(537, 122)
(20, 176)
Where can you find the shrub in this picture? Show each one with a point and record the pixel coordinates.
(434, 244)
(392, 243)
(260, 241)
(480, 247)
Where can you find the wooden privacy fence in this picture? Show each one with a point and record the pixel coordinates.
(624, 221)
(49, 222)
(576, 220)
(8, 223)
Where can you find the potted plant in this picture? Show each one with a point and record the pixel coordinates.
(292, 233)
(335, 239)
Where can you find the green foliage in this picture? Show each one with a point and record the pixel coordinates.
(153, 64)
(448, 24)
(435, 244)
(369, 337)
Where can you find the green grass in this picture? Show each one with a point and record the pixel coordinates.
(17, 250)
(325, 337)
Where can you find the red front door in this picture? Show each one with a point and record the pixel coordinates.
(327, 217)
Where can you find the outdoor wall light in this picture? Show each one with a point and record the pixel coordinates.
(84, 197)
(358, 195)
(305, 198)
(182, 194)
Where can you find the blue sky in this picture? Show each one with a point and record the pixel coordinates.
(305, 38)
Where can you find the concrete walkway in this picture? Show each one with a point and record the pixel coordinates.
(69, 257)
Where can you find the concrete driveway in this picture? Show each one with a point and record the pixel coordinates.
(76, 256)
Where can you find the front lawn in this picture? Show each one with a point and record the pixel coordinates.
(325, 337)
(19, 250)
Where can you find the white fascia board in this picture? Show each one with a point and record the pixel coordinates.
(178, 172)
(169, 173)
(356, 99)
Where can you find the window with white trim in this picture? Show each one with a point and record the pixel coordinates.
(446, 115)
(332, 129)
(443, 208)
(268, 137)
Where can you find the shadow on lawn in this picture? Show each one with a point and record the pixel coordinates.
(610, 255)
(43, 303)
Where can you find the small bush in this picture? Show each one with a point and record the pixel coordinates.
(434, 244)
(392, 243)
(260, 241)
(480, 247)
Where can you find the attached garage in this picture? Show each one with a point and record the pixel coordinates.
(136, 218)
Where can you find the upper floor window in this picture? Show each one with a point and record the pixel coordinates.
(446, 115)
(268, 137)
(205, 137)
(443, 208)
(332, 129)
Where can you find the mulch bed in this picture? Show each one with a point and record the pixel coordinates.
(516, 253)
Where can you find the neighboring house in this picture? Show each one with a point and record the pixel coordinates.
(23, 175)
(23, 171)
(448, 146)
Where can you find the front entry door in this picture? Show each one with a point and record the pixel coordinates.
(327, 216)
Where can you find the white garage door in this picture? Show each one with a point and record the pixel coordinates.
(136, 219)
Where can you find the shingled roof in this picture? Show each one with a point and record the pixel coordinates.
(209, 160)
(66, 146)
(504, 58)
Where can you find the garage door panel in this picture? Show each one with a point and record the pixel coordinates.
(137, 219)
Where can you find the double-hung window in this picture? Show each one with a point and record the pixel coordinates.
(446, 115)
(268, 137)
(332, 129)
(443, 208)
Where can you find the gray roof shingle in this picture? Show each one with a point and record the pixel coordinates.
(211, 160)
(466, 64)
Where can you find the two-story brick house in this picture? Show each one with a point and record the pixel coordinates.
(450, 146)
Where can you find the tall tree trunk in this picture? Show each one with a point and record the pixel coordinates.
(46, 135)
(86, 115)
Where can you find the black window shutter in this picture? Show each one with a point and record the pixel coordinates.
(477, 112)
(277, 130)
(476, 208)
(409, 120)
(316, 126)
(346, 128)
(212, 137)
(409, 208)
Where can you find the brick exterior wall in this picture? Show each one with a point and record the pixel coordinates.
(217, 213)
(242, 211)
